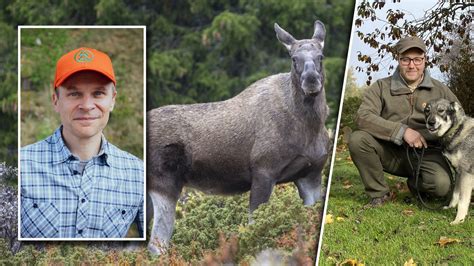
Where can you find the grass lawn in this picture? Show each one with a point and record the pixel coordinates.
(394, 233)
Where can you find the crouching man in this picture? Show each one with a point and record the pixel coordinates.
(391, 120)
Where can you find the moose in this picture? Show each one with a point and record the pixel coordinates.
(272, 132)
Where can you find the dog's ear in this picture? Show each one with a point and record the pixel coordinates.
(456, 108)
(452, 107)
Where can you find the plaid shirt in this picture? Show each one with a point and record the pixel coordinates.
(58, 200)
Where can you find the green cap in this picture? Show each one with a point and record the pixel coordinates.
(410, 42)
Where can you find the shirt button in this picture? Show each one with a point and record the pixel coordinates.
(35, 205)
(123, 211)
(79, 231)
(83, 200)
(75, 172)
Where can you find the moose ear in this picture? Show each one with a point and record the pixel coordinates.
(284, 37)
(319, 32)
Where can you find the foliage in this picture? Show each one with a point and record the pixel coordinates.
(352, 101)
(440, 27)
(351, 87)
(460, 78)
(393, 233)
(349, 112)
(8, 94)
(204, 224)
(8, 219)
(202, 218)
(8, 173)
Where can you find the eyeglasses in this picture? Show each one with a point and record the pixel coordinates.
(405, 61)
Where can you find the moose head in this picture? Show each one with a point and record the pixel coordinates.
(307, 59)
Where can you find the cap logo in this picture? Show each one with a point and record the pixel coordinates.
(83, 56)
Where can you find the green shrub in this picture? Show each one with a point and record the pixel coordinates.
(202, 218)
(349, 112)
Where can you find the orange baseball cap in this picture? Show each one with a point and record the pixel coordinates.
(82, 59)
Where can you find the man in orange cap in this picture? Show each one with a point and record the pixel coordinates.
(75, 184)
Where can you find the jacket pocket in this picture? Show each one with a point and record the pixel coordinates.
(39, 219)
(117, 220)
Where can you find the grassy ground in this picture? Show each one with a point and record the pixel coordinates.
(393, 233)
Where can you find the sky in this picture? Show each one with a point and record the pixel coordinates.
(412, 9)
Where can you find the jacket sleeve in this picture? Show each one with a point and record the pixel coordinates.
(369, 117)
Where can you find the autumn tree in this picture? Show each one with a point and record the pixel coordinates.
(439, 27)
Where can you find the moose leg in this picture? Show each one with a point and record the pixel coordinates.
(309, 188)
(260, 191)
(164, 210)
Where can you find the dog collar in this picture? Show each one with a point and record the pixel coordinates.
(452, 132)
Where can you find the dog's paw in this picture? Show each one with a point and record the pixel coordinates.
(447, 207)
(456, 221)
(452, 204)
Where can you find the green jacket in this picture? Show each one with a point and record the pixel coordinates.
(389, 107)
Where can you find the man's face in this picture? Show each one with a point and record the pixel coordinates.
(412, 65)
(84, 104)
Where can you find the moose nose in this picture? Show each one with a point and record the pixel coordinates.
(311, 78)
(309, 66)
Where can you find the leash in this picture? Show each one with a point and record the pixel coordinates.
(416, 174)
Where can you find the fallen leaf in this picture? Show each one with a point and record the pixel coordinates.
(329, 219)
(346, 184)
(443, 241)
(410, 262)
(340, 219)
(408, 212)
(351, 262)
(402, 187)
(391, 177)
(348, 158)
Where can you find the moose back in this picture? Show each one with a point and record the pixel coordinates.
(272, 132)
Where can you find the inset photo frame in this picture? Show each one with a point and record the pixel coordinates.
(81, 132)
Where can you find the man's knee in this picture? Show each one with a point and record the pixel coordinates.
(439, 186)
(442, 187)
(359, 141)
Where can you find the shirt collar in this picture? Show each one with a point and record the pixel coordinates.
(61, 152)
(399, 86)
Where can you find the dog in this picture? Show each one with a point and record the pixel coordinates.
(448, 121)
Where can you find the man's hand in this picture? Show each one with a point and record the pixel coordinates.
(414, 139)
